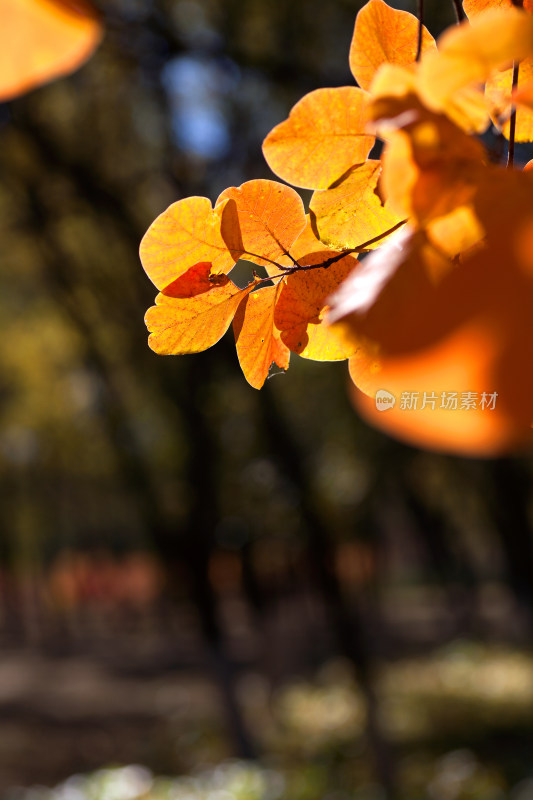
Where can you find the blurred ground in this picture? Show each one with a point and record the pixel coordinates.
(457, 712)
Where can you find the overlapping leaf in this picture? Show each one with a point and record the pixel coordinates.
(258, 341)
(471, 53)
(384, 35)
(323, 136)
(302, 307)
(193, 312)
(187, 233)
(260, 221)
(426, 324)
(499, 90)
(43, 39)
(351, 213)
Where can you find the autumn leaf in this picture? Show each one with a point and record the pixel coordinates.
(44, 39)
(471, 53)
(474, 7)
(500, 92)
(193, 312)
(260, 221)
(437, 326)
(384, 35)
(187, 233)
(467, 107)
(302, 307)
(351, 212)
(430, 166)
(323, 136)
(258, 341)
(451, 384)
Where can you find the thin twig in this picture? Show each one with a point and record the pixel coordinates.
(420, 29)
(459, 12)
(512, 122)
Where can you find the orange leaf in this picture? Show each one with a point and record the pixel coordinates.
(473, 7)
(323, 136)
(261, 220)
(258, 341)
(193, 312)
(384, 35)
(441, 381)
(470, 53)
(185, 234)
(307, 243)
(430, 166)
(499, 90)
(43, 39)
(302, 306)
(428, 324)
(351, 213)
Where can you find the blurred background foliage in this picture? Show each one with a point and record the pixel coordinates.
(251, 592)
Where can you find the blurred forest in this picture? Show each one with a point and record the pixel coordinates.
(251, 593)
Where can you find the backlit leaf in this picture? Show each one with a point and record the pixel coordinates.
(436, 326)
(471, 53)
(258, 340)
(187, 233)
(430, 166)
(261, 220)
(193, 312)
(473, 7)
(499, 90)
(43, 39)
(323, 136)
(351, 213)
(384, 35)
(302, 307)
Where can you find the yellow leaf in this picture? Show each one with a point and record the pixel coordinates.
(258, 340)
(187, 233)
(351, 213)
(261, 220)
(430, 166)
(499, 90)
(323, 136)
(470, 53)
(193, 312)
(384, 35)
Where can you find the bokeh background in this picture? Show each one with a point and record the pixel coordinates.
(250, 593)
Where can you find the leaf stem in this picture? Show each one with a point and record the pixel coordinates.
(420, 29)
(512, 122)
(362, 248)
(459, 11)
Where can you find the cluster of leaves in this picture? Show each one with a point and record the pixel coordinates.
(444, 303)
